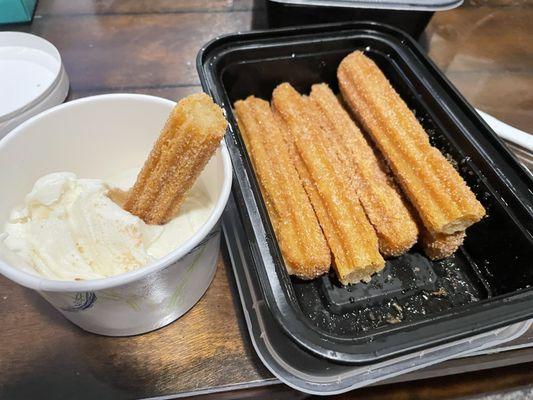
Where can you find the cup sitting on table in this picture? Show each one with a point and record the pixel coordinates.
(95, 137)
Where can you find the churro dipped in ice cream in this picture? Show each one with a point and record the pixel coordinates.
(190, 137)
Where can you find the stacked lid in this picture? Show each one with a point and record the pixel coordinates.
(32, 78)
(413, 5)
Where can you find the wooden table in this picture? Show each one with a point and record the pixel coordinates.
(485, 47)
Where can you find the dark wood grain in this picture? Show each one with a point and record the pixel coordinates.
(149, 46)
(487, 52)
(77, 7)
(133, 51)
(514, 88)
(485, 43)
(498, 3)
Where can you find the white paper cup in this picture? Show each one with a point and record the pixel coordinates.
(96, 137)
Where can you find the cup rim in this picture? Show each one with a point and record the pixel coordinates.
(35, 282)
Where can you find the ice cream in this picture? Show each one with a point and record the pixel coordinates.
(69, 229)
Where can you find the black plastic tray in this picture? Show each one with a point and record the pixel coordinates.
(305, 371)
(484, 286)
(412, 21)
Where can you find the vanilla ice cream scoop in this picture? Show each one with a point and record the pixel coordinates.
(69, 229)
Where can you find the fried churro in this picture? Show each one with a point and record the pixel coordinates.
(444, 202)
(352, 239)
(300, 237)
(190, 137)
(383, 205)
(441, 245)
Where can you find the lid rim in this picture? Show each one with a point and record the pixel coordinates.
(60, 90)
(27, 107)
(55, 82)
(373, 4)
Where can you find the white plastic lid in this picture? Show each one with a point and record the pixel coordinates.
(30, 67)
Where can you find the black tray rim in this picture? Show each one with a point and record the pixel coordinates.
(513, 307)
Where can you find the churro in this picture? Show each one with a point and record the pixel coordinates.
(383, 205)
(299, 235)
(442, 199)
(352, 239)
(190, 137)
(441, 245)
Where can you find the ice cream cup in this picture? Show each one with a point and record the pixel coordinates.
(95, 137)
